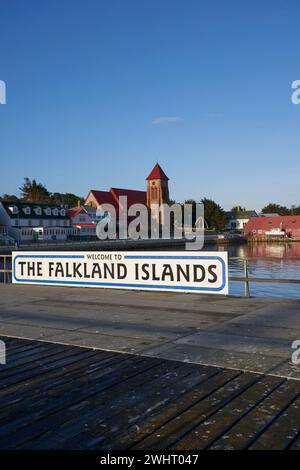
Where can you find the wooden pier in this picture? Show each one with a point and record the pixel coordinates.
(66, 397)
(107, 370)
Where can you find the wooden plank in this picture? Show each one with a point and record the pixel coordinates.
(17, 344)
(35, 422)
(258, 417)
(35, 387)
(47, 360)
(21, 357)
(144, 423)
(295, 445)
(40, 398)
(128, 403)
(61, 397)
(215, 420)
(62, 363)
(149, 428)
(73, 367)
(96, 411)
(210, 400)
(282, 432)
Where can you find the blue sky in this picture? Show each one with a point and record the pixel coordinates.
(98, 91)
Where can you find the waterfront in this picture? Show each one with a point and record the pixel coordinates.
(266, 260)
(269, 260)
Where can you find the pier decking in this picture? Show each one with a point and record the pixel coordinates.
(65, 397)
(103, 369)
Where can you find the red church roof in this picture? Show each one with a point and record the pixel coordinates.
(157, 174)
(104, 197)
(133, 197)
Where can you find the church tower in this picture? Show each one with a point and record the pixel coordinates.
(158, 191)
(157, 187)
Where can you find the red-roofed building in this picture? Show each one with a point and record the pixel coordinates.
(275, 226)
(133, 196)
(82, 221)
(157, 193)
(97, 198)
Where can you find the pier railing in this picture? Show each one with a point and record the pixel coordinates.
(6, 274)
(246, 279)
(5, 269)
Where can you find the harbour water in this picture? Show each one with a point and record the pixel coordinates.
(269, 260)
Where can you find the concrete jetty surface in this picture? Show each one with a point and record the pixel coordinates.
(248, 334)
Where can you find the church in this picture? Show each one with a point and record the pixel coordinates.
(157, 192)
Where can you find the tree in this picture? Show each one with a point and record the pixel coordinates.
(273, 208)
(238, 209)
(193, 203)
(67, 199)
(9, 198)
(214, 215)
(32, 191)
(295, 210)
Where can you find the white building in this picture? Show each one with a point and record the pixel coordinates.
(32, 222)
(82, 221)
(238, 219)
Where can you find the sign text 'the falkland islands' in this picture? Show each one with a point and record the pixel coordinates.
(198, 272)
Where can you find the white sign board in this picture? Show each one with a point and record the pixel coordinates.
(192, 271)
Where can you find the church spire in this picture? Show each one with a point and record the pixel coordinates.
(157, 174)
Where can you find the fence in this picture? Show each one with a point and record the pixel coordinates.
(5, 269)
(6, 274)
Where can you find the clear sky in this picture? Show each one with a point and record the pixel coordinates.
(99, 91)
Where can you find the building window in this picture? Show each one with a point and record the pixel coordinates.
(38, 210)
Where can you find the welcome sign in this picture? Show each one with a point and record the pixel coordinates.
(197, 272)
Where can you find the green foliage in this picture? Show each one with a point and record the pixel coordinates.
(273, 208)
(214, 214)
(32, 191)
(9, 198)
(238, 209)
(67, 199)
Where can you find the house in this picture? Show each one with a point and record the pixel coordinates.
(26, 221)
(238, 219)
(82, 221)
(285, 226)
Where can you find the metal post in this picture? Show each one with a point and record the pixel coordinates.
(4, 267)
(246, 276)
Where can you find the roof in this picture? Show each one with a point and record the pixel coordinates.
(75, 211)
(85, 225)
(133, 197)
(103, 197)
(241, 214)
(274, 214)
(22, 205)
(268, 223)
(157, 174)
